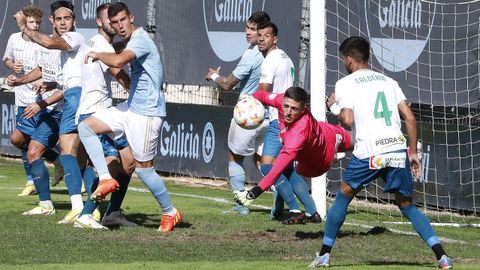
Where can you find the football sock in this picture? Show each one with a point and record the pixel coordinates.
(421, 224)
(237, 176)
(300, 189)
(94, 148)
(41, 179)
(335, 218)
(438, 250)
(91, 182)
(73, 176)
(156, 186)
(26, 165)
(117, 197)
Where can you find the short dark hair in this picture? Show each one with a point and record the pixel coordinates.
(297, 93)
(61, 4)
(101, 8)
(259, 17)
(269, 24)
(356, 47)
(116, 8)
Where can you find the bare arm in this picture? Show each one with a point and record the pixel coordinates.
(411, 125)
(346, 117)
(9, 63)
(36, 107)
(265, 87)
(32, 76)
(115, 60)
(121, 76)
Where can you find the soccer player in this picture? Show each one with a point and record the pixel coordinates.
(18, 57)
(97, 95)
(311, 143)
(277, 76)
(72, 46)
(145, 107)
(372, 103)
(243, 142)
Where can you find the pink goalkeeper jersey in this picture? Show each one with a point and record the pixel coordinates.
(310, 142)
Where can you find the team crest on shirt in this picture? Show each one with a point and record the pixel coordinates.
(225, 22)
(398, 30)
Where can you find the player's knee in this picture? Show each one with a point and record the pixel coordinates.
(84, 130)
(235, 169)
(35, 152)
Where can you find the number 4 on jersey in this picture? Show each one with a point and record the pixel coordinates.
(384, 113)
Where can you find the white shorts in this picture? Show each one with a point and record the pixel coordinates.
(141, 131)
(245, 142)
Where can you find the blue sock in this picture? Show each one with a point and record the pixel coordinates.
(26, 165)
(300, 189)
(421, 224)
(278, 203)
(94, 148)
(91, 181)
(335, 218)
(156, 185)
(237, 176)
(41, 179)
(73, 176)
(117, 197)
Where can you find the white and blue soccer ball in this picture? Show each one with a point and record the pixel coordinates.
(249, 113)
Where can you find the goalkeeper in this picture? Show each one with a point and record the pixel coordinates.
(311, 143)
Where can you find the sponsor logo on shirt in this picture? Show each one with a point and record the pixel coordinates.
(225, 22)
(398, 30)
(390, 141)
(394, 160)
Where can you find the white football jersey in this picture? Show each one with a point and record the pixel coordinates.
(278, 70)
(49, 61)
(374, 99)
(72, 60)
(96, 82)
(21, 51)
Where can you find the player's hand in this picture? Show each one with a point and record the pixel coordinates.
(11, 80)
(31, 110)
(212, 71)
(331, 100)
(17, 67)
(91, 55)
(415, 164)
(244, 197)
(21, 20)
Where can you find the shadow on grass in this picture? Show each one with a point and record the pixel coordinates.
(319, 235)
(152, 221)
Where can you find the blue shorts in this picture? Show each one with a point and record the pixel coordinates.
(26, 126)
(109, 145)
(271, 143)
(47, 131)
(360, 174)
(71, 101)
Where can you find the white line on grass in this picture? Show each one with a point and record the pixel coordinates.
(225, 201)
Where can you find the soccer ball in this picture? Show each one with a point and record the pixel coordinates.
(249, 113)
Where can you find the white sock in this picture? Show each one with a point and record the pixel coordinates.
(172, 213)
(77, 202)
(47, 204)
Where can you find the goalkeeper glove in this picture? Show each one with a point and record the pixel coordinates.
(246, 197)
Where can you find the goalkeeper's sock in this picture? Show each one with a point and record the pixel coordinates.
(284, 188)
(156, 186)
(335, 218)
(237, 176)
(421, 224)
(300, 189)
